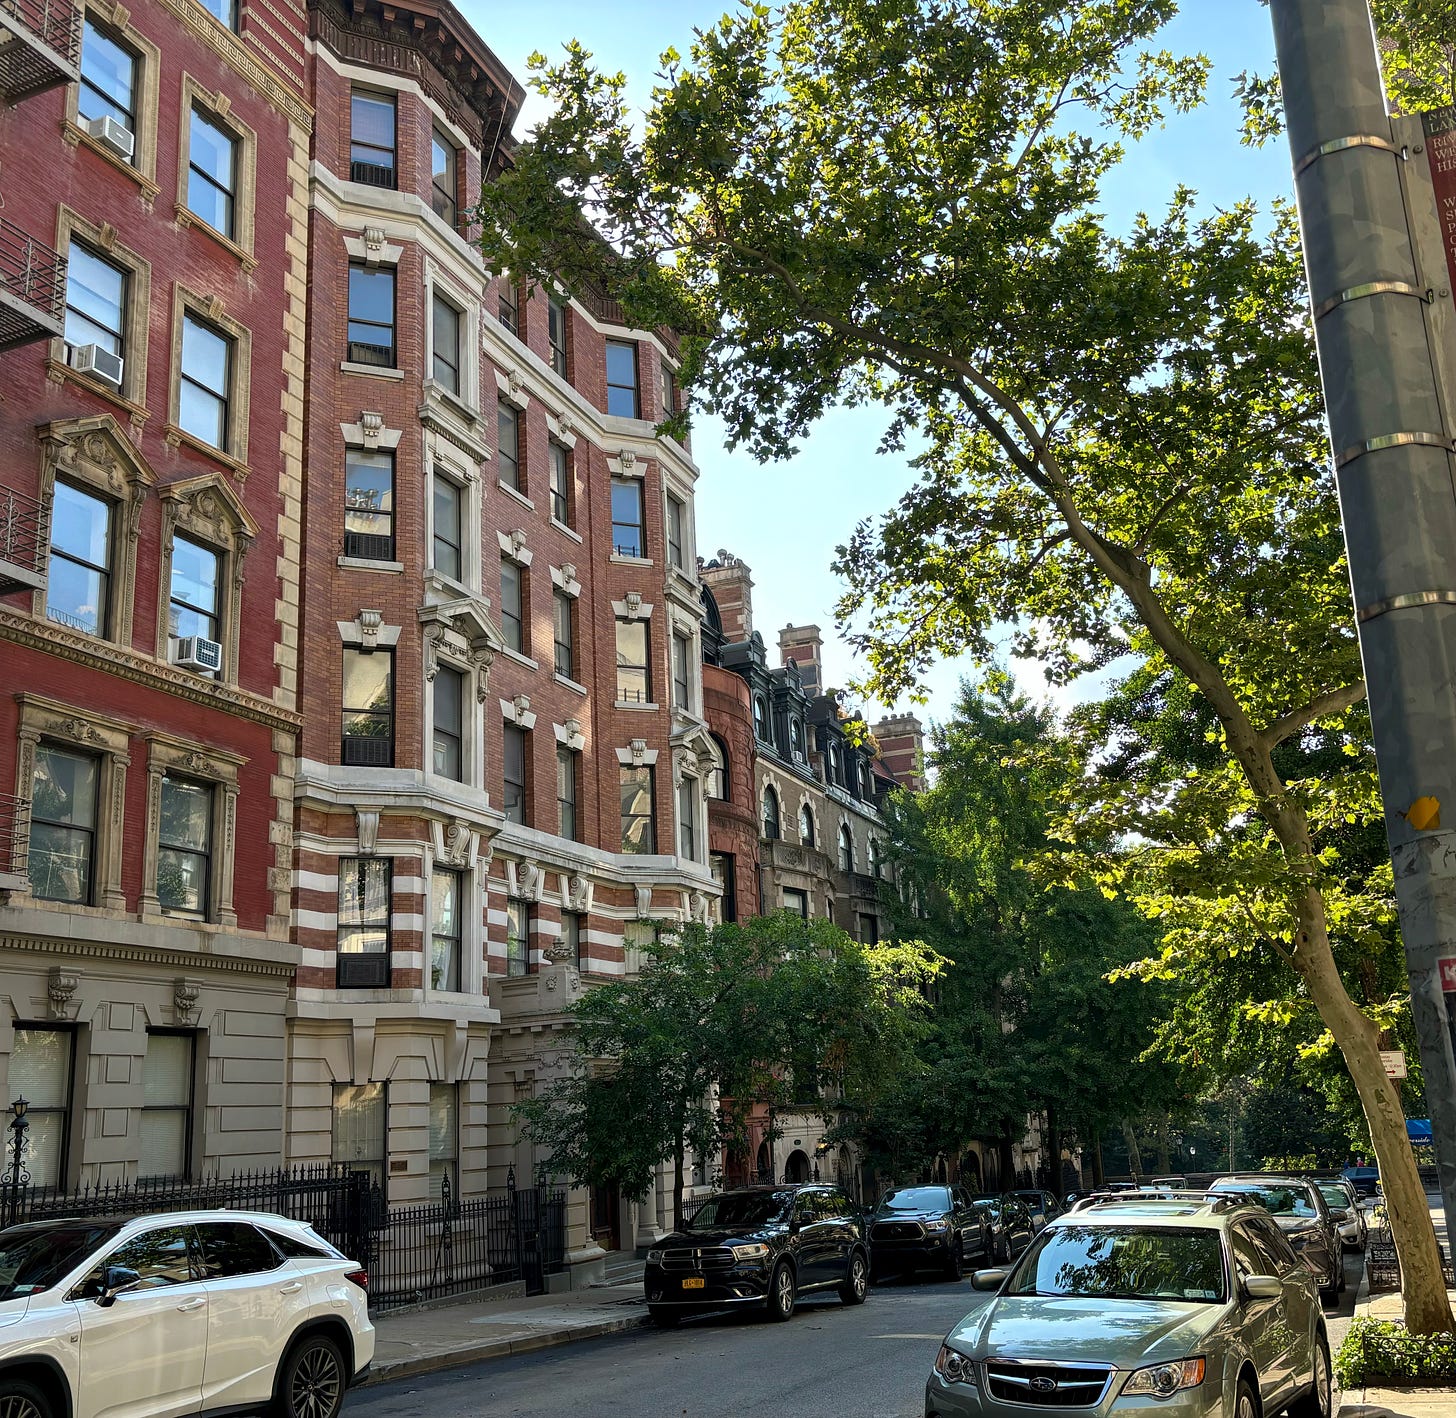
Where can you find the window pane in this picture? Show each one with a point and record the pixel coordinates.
(513, 758)
(212, 157)
(634, 684)
(512, 626)
(369, 505)
(627, 538)
(40, 1067)
(186, 815)
(371, 316)
(364, 904)
(358, 1132)
(371, 135)
(167, 1074)
(449, 716)
(202, 395)
(108, 78)
(508, 444)
(161, 1257)
(447, 513)
(621, 379)
(442, 177)
(234, 1248)
(445, 930)
(95, 300)
(636, 789)
(447, 345)
(194, 575)
(81, 525)
(367, 680)
(63, 819)
(444, 1136)
(163, 1143)
(560, 484)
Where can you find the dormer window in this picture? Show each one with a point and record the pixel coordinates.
(796, 740)
(760, 718)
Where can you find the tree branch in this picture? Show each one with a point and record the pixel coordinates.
(1332, 701)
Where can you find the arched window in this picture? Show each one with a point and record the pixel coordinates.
(718, 778)
(846, 848)
(833, 774)
(875, 863)
(771, 814)
(760, 717)
(796, 739)
(806, 825)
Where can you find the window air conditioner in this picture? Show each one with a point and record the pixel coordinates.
(92, 359)
(117, 136)
(194, 652)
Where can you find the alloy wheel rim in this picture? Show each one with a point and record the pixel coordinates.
(858, 1276)
(786, 1290)
(16, 1405)
(315, 1390)
(1322, 1382)
(1246, 1406)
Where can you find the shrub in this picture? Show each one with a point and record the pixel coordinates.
(1381, 1351)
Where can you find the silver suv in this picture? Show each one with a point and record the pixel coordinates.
(1196, 1307)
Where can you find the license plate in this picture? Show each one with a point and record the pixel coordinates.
(693, 1282)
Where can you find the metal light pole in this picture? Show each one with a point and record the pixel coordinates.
(1392, 441)
(19, 1175)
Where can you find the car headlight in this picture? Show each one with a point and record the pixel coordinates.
(654, 1257)
(937, 1226)
(1164, 1380)
(755, 1250)
(955, 1367)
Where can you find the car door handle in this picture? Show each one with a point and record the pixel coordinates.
(196, 1304)
(292, 1289)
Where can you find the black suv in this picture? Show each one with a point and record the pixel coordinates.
(759, 1246)
(914, 1228)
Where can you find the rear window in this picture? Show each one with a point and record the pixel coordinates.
(293, 1245)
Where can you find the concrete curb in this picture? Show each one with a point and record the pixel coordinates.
(392, 1369)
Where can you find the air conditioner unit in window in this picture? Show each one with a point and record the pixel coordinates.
(196, 653)
(92, 359)
(117, 136)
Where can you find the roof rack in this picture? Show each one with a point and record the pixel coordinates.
(1214, 1201)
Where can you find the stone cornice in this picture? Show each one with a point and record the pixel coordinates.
(126, 953)
(18, 628)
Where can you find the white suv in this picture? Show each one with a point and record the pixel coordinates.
(159, 1316)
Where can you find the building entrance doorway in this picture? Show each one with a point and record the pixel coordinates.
(606, 1218)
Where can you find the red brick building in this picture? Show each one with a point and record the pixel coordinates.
(151, 434)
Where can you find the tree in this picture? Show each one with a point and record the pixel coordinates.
(669, 1062)
(896, 201)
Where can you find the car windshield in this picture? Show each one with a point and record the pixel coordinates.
(1123, 1263)
(915, 1199)
(1276, 1199)
(35, 1256)
(1336, 1196)
(740, 1209)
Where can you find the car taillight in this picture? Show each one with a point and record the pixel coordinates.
(359, 1277)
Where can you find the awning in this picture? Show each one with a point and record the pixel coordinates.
(1418, 1129)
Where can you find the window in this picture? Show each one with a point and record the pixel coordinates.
(718, 778)
(869, 929)
(508, 307)
(193, 605)
(369, 505)
(669, 392)
(876, 865)
(846, 848)
(371, 139)
(796, 740)
(629, 536)
(444, 1138)
(622, 378)
(96, 294)
(760, 718)
(806, 825)
(212, 172)
(832, 770)
(634, 666)
(560, 483)
(449, 696)
(722, 866)
(446, 345)
(566, 775)
(78, 585)
(676, 522)
(40, 1072)
(514, 759)
(682, 683)
(797, 902)
(508, 444)
(687, 819)
(233, 1248)
(513, 624)
(368, 710)
(561, 609)
(556, 333)
(224, 10)
(571, 937)
(449, 519)
(637, 787)
(365, 886)
(445, 930)
(444, 188)
(63, 797)
(359, 1129)
(371, 316)
(518, 938)
(184, 842)
(770, 814)
(206, 374)
(108, 80)
(167, 1078)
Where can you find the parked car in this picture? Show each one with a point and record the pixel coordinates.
(159, 1315)
(1194, 1308)
(1344, 1203)
(1041, 1205)
(914, 1228)
(1365, 1180)
(760, 1246)
(1010, 1224)
(1302, 1214)
(1172, 1184)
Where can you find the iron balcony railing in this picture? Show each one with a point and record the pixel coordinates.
(25, 537)
(46, 51)
(32, 288)
(14, 836)
(372, 174)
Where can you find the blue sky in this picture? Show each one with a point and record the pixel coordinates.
(814, 500)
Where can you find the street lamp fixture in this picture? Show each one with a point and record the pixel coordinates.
(19, 1177)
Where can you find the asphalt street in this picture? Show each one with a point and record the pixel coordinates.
(864, 1362)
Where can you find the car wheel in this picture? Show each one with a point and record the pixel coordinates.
(781, 1292)
(19, 1399)
(955, 1263)
(1246, 1405)
(312, 1381)
(1317, 1401)
(663, 1316)
(856, 1280)
(1002, 1253)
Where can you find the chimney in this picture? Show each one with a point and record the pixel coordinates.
(802, 644)
(902, 750)
(731, 583)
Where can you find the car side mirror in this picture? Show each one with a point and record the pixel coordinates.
(1263, 1287)
(116, 1280)
(1340, 1213)
(989, 1279)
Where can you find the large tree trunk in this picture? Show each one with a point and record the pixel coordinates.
(677, 1185)
(1099, 1176)
(1134, 1157)
(1165, 1160)
(1054, 1147)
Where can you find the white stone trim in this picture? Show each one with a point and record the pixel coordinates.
(368, 631)
(570, 735)
(370, 433)
(564, 578)
(373, 247)
(518, 711)
(638, 755)
(632, 608)
(513, 545)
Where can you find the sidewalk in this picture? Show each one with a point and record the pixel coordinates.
(422, 1341)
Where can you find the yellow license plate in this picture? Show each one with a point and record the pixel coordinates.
(694, 1282)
